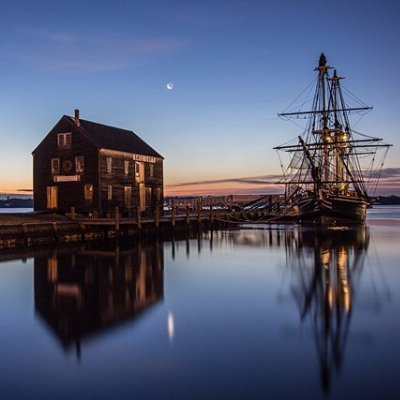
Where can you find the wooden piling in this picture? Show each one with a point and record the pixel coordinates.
(198, 212)
(157, 217)
(173, 217)
(139, 218)
(117, 221)
(187, 216)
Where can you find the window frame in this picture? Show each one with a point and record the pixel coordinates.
(64, 140)
(55, 171)
(109, 165)
(80, 164)
(126, 167)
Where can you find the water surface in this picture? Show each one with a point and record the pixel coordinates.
(276, 312)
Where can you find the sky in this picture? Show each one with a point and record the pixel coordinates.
(234, 66)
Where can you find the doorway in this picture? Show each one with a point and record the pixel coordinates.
(52, 197)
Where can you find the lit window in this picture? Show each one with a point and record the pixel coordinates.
(64, 140)
(109, 192)
(79, 164)
(55, 166)
(139, 171)
(126, 167)
(88, 192)
(109, 165)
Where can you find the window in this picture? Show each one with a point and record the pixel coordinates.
(88, 192)
(109, 192)
(126, 167)
(109, 165)
(55, 166)
(64, 140)
(79, 164)
(151, 170)
(148, 196)
(139, 171)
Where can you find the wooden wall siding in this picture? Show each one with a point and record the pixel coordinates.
(69, 193)
(118, 180)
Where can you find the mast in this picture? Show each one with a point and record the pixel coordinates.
(327, 155)
(324, 132)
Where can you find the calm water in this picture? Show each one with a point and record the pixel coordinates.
(251, 313)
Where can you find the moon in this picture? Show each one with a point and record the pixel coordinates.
(170, 85)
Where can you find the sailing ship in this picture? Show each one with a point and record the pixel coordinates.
(325, 182)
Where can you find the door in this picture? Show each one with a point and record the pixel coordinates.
(52, 197)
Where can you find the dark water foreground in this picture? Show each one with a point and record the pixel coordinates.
(251, 313)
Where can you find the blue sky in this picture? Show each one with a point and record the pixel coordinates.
(234, 65)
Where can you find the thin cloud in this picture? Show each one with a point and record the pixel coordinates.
(254, 180)
(67, 51)
(389, 183)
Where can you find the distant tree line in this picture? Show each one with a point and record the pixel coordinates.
(16, 203)
(386, 200)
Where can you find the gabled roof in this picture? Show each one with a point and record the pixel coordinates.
(111, 138)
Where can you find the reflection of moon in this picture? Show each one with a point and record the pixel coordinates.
(171, 326)
(170, 85)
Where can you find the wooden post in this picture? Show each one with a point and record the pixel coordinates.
(157, 217)
(139, 218)
(173, 216)
(55, 231)
(198, 211)
(116, 212)
(72, 212)
(187, 216)
(25, 231)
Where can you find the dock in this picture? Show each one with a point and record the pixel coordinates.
(36, 229)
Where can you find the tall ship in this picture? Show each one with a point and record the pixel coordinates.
(327, 180)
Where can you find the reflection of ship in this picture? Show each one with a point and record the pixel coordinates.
(326, 181)
(84, 292)
(327, 266)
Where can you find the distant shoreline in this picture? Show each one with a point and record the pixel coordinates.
(16, 203)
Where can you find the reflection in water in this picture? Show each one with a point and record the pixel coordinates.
(171, 326)
(327, 265)
(82, 293)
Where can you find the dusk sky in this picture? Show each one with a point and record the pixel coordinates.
(233, 64)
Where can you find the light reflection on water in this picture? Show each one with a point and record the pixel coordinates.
(281, 312)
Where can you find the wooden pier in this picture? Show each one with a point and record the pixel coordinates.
(28, 230)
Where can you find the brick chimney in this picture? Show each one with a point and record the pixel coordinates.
(77, 122)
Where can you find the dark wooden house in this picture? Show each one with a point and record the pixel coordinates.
(94, 168)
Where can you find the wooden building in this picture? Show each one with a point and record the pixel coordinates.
(94, 168)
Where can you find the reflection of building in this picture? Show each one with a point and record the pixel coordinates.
(327, 265)
(82, 293)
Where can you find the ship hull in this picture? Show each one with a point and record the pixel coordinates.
(332, 210)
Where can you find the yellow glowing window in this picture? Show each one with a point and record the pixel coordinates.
(88, 192)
